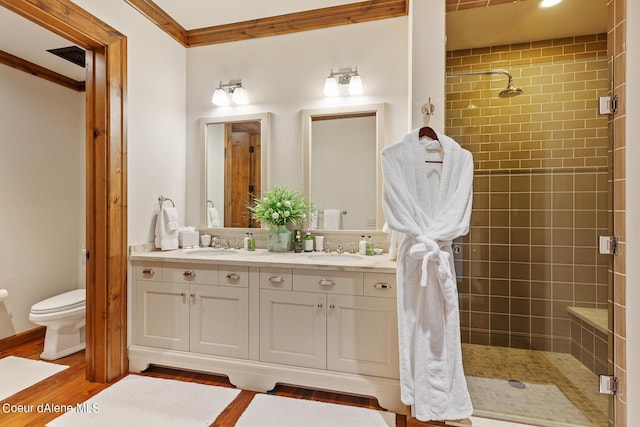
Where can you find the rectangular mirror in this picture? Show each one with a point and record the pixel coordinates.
(233, 169)
(342, 171)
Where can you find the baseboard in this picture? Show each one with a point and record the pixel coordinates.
(22, 337)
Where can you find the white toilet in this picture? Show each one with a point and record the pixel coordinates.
(64, 317)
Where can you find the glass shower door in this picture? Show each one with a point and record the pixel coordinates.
(534, 289)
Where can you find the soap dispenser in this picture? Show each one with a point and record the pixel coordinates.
(297, 243)
(369, 247)
(308, 242)
(362, 246)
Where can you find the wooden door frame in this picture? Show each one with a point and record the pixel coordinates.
(106, 175)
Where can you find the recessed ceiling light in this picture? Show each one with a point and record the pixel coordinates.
(549, 3)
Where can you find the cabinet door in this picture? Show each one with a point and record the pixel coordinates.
(220, 320)
(162, 315)
(293, 328)
(362, 335)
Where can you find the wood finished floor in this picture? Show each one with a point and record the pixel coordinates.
(70, 387)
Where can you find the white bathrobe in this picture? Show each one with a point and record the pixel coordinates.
(431, 204)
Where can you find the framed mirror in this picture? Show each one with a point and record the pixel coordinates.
(233, 169)
(342, 169)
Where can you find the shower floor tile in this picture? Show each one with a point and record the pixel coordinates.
(577, 402)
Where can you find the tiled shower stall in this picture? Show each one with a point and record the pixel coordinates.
(541, 193)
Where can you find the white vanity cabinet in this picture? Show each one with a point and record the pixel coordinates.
(202, 309)
(262, 319)
(327, 322)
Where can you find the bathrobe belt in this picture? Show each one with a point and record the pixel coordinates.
(429, 250)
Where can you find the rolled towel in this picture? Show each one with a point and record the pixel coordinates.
(332, 219)
(167, 229)
(213, 217)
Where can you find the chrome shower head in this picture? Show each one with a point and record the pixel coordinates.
(510, 91)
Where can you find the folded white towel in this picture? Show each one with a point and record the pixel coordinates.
(167, 229)
(213, 218)
(332, 219)
(171, 218)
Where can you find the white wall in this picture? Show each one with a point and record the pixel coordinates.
(42, 177)
(632, 100)
(284, 75)
(156, 106)
(41, 192)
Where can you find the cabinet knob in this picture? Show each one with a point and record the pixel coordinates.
(381, 285)
(320, 305)
(148, 272)
(326, 282)
(332, 306)
(233, 276)
(189, 274)
(276, 279)
(192, 294)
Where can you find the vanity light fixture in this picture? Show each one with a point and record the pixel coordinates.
(232, 91)
(345, 76)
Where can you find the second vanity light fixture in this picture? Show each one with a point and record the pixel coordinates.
(232, 91)
(345, 76)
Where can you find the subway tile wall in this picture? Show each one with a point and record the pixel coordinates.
(540, 188)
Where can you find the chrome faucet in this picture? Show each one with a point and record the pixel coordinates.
(227, 244)
(340, 248)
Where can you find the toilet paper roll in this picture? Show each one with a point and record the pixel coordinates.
(3, 294)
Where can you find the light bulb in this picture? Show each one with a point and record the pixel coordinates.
(355, 85)
(549, 3)
(331, 86)
(220, 98)
(239, 96)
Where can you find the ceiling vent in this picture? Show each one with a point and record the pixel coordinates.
(72, 54)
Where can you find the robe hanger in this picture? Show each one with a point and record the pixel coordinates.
(427, 111)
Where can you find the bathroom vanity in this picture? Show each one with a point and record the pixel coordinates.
(318, 320)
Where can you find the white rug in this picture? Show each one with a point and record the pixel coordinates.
(18, 373)
(539, 404)
(277, 411)
(137, 400)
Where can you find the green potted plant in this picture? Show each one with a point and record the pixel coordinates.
(277, 209)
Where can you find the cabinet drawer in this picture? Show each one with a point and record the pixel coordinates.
(146, 270)
(276, 278)
(203, 274)
(234, 275)
(380, 285)
(335, 282)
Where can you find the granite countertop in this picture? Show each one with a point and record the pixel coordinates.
(263, 258)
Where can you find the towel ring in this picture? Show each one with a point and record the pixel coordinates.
(210, 204)
(163, 199)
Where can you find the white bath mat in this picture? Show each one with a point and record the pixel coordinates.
(534, 404)
(137, 400)
(18, 373)
(277, 411)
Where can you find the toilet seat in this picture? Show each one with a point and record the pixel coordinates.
(67, 301)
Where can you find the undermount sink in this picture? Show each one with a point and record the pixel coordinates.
(209, 251)
(336, 257)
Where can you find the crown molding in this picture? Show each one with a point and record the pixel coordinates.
(276, 25)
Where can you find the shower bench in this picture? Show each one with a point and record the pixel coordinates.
(589, 337)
